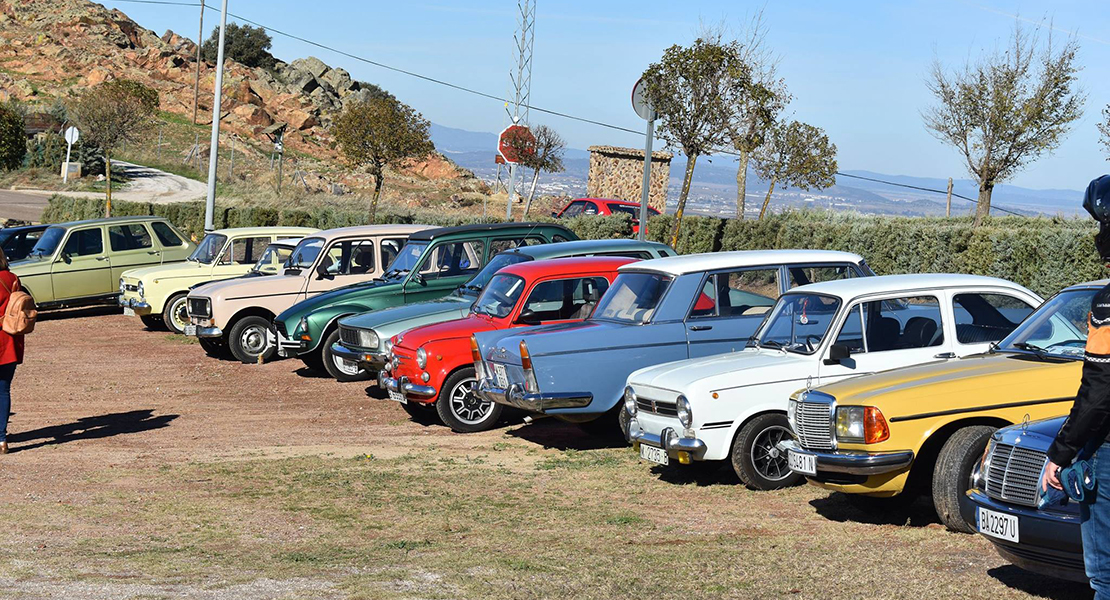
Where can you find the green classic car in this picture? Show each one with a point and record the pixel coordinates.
(80, 263)
(433, 263)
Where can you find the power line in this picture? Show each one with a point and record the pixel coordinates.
(925, 189)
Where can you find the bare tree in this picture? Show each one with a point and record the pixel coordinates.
(800, 156)
(546, 156)
(1005, 110)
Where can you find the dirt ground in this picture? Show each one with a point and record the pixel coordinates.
(140, 468)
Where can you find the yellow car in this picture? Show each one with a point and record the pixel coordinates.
(922, 429)
(157, 294)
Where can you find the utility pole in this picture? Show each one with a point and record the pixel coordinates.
(521, 79)
(213, 149)
(948, 208)
(196, 80)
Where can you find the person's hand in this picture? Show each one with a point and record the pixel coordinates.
(1050, 478)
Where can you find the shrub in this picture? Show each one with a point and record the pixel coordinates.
(242, 43)
(12, 140)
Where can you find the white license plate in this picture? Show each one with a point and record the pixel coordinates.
(397, 397)
(190, 330)
(655, 455)
(502, 376)
(128, 311)
(999, 525)
(806, 464)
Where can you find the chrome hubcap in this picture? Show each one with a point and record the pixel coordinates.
(769, 461)
(253, 340)
(466, 405)
(179, 314)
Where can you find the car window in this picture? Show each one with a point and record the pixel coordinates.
(573, 298)
(500, 296)
(634, 297)
(166, 235)
(502, 244)
(589, 209)
(982, 317)
(574, 209)
(390, 248)
(637, 254)
(803, 275)
(350, 257)
(799, 322)
(893, 324)
(19, 245)
(129, 237)
(742, 293)
(85, 242)
(851, 333)
(452, 259)
(245, 251)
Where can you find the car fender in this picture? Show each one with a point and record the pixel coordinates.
(741, 405)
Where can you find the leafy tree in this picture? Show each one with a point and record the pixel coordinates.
(242, 43)
(1005, 110)
(1104, 131)
(687, 89)
(545, 154)
(379, 133)
(13, 141)
(800, 156)
(112, 114)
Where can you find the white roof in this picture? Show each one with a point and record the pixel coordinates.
(709, 261)
(1085, 284)
(864, 286)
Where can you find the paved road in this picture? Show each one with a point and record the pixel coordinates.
(22, 205)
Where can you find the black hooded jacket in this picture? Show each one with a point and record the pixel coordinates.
(1089, 419)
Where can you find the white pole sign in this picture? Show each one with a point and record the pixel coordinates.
(647, 113)
(71, 136)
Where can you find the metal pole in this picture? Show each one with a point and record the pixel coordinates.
(646, 192)
(948, 209)
(65, 167)
(231, 165)
(281, 161)
(196, 80)
(160, 123)
(213, 150)
(512, 192)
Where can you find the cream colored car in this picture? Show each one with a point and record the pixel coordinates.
(238, 314)
(157, 294)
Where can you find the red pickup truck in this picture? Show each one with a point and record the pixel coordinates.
(604, 206)
(431, 368)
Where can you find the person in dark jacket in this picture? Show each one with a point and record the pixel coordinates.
(1088, 424)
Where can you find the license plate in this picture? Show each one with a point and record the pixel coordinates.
(190, 330)
(655, 455)
(128, 311)
(502, 376)
(999, 525)
(397, 397)
(806, 464)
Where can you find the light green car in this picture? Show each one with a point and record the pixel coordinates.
(157, 294)
(80, 263)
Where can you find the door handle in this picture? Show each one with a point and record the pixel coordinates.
(700, 327)
(154, 252)
(945, 355)
(102, 258)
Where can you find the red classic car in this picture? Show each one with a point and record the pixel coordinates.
(604, 206)
(431, 368)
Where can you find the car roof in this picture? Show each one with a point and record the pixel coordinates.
(431, 234)
(1099, 283)
(23, 227)
(542, 251)
(389, 229)
(289, 242)
(569, 266)
(232, 231)
(709, 261)
(110, 220)
(864, 286)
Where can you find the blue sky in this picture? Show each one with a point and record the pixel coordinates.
(855, 69)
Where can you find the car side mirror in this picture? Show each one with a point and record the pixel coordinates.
(554, 214)
(64, 257)
(528, 317)
(322, 272)
(419, 279)
(838, 353)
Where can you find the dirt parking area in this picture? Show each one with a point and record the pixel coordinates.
(141, 468)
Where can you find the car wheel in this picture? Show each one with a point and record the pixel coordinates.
(421, 413)
(624, 420)
(340, 369)
(952, 473)
(175, 315)
(313, 362)
(461, 409)
(756, 457)
(152, 321)
(214, 347)
(250, 339)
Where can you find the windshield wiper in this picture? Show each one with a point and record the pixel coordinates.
(1035, 349)
(771, 344)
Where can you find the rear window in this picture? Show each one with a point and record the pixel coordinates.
(165, 234)
(633, 297)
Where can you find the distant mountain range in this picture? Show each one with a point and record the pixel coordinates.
(714, 187)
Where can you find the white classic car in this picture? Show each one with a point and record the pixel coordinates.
(733, 406)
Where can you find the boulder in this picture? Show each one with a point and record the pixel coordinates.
(301, 81)
(300, 120)
(244, 94)
(312, 65)
(253, 115)
(339, 80)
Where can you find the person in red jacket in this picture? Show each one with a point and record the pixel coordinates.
(11, 351)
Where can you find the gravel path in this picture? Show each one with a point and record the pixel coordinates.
(146, 185)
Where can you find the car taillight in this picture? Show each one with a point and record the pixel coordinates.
(525, 358)
(875, 429)
(530, 383)
(475, 352)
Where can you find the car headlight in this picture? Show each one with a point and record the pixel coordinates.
(861, 425)
(389, 347)
(421, 358)
(630, 401)
(141, 289)
(685, 415)
(302, 325)
(367, 338)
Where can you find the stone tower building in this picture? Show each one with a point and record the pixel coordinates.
(618, 173)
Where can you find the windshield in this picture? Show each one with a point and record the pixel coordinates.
(500, 296)
(304, 255)
(49, 241)
(407, 258)
(500, 261)
(209, 248)
(1057, 328)
(632, 298)
(799, 322)
(273, 257)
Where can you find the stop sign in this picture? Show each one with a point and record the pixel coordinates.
(515, 143)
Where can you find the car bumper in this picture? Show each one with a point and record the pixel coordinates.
(1049, 543)
(516, 397)
(409, 390)
(141, 307)
(372, 361)
(854, 463)
(289, 347)
(676, 446)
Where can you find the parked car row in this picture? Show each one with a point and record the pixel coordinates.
(786, 365)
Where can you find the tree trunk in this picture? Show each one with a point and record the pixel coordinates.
(108, 180)
(377, 195)
(741, 184)
(531, 194)
(686, 179)
(983, 207)
(767, 200)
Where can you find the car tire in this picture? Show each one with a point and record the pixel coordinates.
(336, 367)
(952, 473)
(461, 409)
(174, 315)
(421, 413)
(757, 461)
(214, 347)
(249, 339)
(624, 420)
(313, 363)
(152, 322)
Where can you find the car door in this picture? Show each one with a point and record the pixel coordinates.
(444, 267)
(83, 268)
(131, 246)
(729, 309)
(344, 262)
(239, 255)
(887, 333)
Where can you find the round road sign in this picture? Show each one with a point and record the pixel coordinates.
(640, 103)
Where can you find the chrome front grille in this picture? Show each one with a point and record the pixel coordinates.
(280, 328)
(813, 424)
(1014, 474)
(659, 407)
(348, 337)
(127, 287)
(198, 307)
